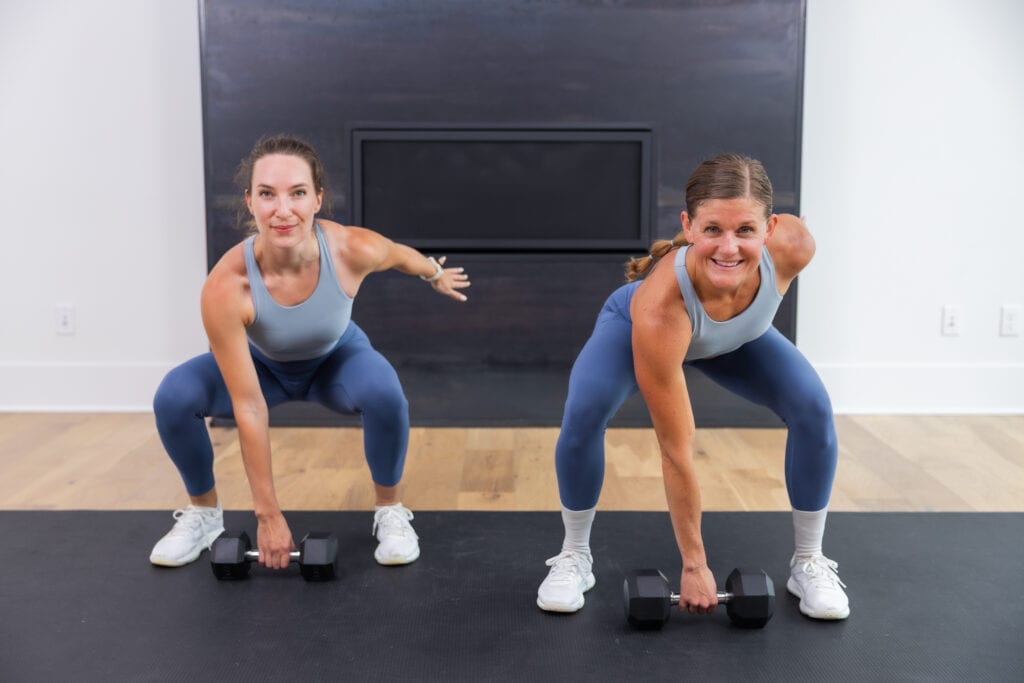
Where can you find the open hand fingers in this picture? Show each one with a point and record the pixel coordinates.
(452, 280)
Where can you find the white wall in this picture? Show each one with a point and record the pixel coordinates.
(912, 148)
(102, 186)
(913, 163)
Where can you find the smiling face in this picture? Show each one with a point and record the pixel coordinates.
(282, 199)
(726, 237)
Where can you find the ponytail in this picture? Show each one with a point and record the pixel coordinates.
(638, 267)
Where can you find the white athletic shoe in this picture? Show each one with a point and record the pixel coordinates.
(399, 544)
(570, 577)
(194, 531)
(816, 582)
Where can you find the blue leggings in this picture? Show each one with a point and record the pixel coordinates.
(352, 378)
(769, 371)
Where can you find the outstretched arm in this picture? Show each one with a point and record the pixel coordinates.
(371, 252)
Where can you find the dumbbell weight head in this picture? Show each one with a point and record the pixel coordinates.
(317, 552)
(753, 597)
(647, 598)
(227, 555)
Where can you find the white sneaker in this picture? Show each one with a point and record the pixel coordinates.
(570, 577)
(398, 542)
(815, 581)
(194, 531)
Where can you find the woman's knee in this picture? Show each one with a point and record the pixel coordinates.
(572, 446)
(593, 400)
(383, 399)
(583, 425)
(810, 418)
(179, 395)
(816, 407)
(392, 402)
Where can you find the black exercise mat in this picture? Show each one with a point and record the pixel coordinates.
(935, 597)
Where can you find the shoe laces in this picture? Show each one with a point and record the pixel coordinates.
(822, 572)
(566, 567)
(188, 520)
(393, 520)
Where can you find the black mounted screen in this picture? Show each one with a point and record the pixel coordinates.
(498, 190)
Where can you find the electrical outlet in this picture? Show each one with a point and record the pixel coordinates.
(951, 321)
(64, 322)
(1010, 318)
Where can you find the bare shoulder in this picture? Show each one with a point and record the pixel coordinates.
(658, 302)
(661, 337)
(332, 229)
(226, 288)
(791, 246)
(359, 248)
(228, 268)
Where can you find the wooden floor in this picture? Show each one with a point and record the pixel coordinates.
(886, 463)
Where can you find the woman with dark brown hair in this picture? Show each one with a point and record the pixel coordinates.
(707, 300)
(277, 309)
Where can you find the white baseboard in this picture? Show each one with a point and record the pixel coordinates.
(965, 389)
(854, 388)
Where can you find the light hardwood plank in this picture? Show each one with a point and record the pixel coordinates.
(887, 463)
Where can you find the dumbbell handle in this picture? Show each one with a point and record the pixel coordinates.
(723, 597)
(254, 555)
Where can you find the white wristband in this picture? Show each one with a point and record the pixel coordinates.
(437, 274)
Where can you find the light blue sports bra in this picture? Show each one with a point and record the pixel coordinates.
(712, 338)
(304, 331)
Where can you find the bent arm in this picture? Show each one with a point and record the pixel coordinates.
(792, 247)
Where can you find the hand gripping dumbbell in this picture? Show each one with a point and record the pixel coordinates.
(232, 552)
(749, 598)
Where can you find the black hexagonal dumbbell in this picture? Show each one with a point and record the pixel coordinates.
(232, 553)
(749, 598)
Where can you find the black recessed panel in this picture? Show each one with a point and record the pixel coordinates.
(494, 190)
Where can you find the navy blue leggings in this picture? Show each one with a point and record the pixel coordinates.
(352, 378)
(769, 371)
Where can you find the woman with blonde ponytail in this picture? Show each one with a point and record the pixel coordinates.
(705, 299)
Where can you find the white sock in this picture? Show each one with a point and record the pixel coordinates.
(577, 529)
(808, 531)
(378, 508)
